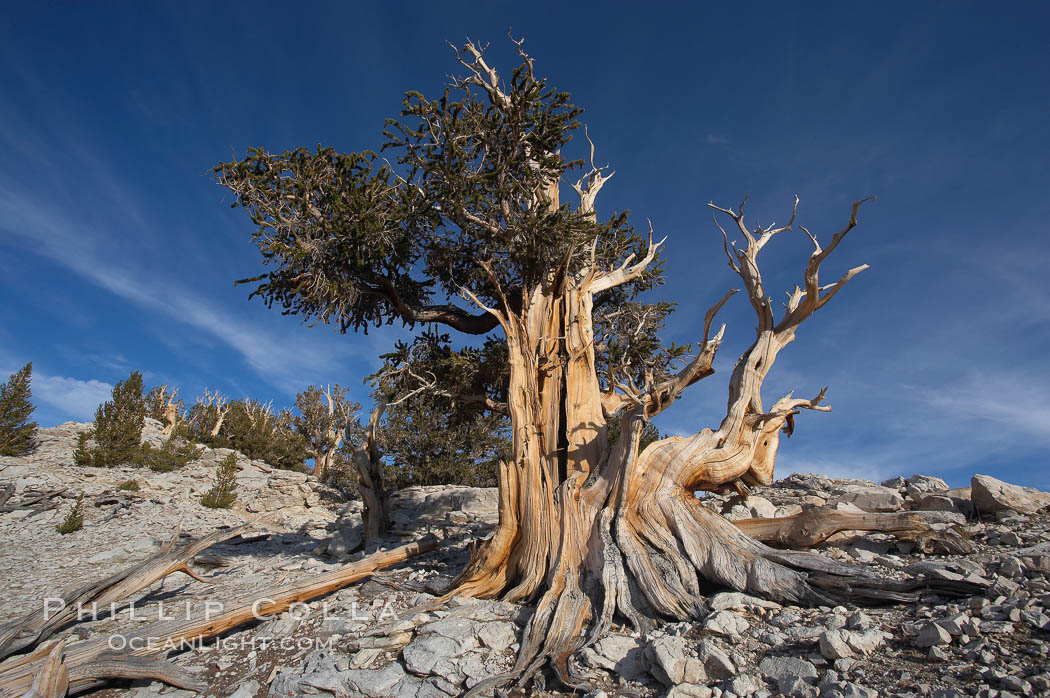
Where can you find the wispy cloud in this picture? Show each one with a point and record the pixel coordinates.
(288, 363)
(73, 397)
(717, 139)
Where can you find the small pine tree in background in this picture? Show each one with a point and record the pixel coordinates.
(129, 486)
(75, 520)
(83, 455)
(224, 493)
(118, 424)
(175, 453)
(16, 431)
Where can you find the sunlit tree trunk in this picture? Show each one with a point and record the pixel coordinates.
(592, 529)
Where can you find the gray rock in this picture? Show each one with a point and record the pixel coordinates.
(344, 541)
(1012, 567)
(716, 660)
(996, 627)
(498, 635)
(796, 688)
(328, 680)
(744, 685)
(760, 507)
(247, 689)
(737, 601)
(622, 654)
(938, 653)
(432, 654)
(375, 683)
(990, 495)
(726, 624)
(834, 644)
(690, 690)
(865, 642)
(917, 484)
(852, 690)
(959, 624)
(779, 668)
(1036, 619)
(931, 634)
(873, 498)
(671, 662)
(933, 502)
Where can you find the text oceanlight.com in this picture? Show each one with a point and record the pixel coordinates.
(138, 643)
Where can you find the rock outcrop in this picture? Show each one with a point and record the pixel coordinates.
(385, 637)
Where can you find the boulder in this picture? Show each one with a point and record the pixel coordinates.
(990, 495)
(726, 624)
(932, 634)
(780, 668)
(872, 498)
(622, 654)
(672, 663)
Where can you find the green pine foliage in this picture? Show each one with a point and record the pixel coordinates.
(255, 431)
(129, 486)
(16, 431)
(83, 455)
(118, 424)
(75, 520)
(174, 454)
(224, 493)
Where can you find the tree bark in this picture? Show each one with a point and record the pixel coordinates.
(594, 530)
(370, 483)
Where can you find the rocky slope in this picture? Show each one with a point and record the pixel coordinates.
(366, 641)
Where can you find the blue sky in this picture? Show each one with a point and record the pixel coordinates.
(119, 252)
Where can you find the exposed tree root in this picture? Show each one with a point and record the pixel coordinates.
(658, 562)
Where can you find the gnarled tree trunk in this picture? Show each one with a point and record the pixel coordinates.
(593, 529)
(370, 482)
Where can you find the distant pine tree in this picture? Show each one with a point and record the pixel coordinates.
(16, 431)
(224, 493)
(83, 455)
(118, 423)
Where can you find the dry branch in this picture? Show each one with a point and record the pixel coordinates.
(37, 625)
(91, 660)
(816, 525)
(53, 679)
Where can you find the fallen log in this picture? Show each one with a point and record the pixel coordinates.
(53, 679)
(93, 660)
(814, 526)
(40, 624)
(36, 504)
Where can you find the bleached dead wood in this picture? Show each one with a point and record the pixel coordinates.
(41, 623)
(813, 526)
(92, 660)
(53, 679)
(370, 481)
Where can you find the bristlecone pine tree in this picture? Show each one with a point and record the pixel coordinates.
(467, 229)
(446, 419)
(166, 407)
(324, 416)
(118, 427)
(16, 431)
(224, 493)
